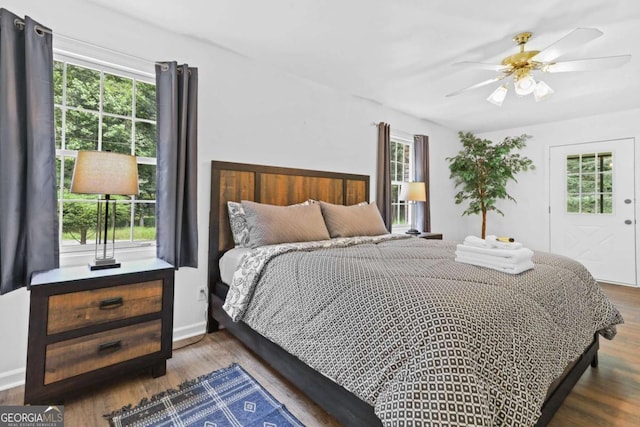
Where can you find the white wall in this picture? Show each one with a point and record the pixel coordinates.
(528, 220)
(248, 112)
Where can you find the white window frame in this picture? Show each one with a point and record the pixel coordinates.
(109, 62)
(403, 227)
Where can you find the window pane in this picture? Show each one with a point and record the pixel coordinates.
(588, 183)
(145, 101)
(403, 214)
(123, 221)
(57, 115)
(116, 135)
(606, 162)
(607, 203)
(399, 152)
(58, 69)
(118, 95)
(147, 182)
(573, 183)
(81, 131)
(405, 177)
(588, 202)
(79, 223)
(83, 87)
(607, 182)
(573, 164)
(145, 139)
(573, 203)
(588, 163)
(69, 165)
(399, 173)
(145, 222)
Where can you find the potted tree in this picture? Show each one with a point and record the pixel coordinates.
(483, 168)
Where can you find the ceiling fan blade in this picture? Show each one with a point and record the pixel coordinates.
(482, 65)
(477, 85)
(574, 39)
(587, 64)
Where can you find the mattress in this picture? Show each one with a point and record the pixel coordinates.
(230, 261)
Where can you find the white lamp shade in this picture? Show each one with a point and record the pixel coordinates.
(497, 96)
(413, 191)
(103, 172)
(525, 85)
(542, 91)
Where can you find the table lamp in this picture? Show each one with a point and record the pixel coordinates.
(413, 192)
(105, 173)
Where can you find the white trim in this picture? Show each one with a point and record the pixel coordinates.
(11, 379)
(189, 331)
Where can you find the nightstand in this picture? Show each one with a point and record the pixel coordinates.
(431, 236)
(89, 326)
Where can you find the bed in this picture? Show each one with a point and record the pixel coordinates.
(286, 186)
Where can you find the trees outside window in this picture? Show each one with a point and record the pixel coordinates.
(104, 109)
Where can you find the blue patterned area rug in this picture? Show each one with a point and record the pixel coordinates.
(227, 397)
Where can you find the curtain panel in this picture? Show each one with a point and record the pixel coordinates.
(177, 160)
(28, 199)
(383, 180)
(421, 150)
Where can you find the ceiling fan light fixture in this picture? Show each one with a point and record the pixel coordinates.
(542, 91)
(525, 85)
(497, 96)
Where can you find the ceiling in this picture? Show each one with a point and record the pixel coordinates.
(400, 53)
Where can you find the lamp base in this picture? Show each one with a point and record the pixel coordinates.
(412, 231)
(102, 264)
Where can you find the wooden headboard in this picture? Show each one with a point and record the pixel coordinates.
(274, 186)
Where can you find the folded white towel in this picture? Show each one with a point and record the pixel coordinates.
(516, 269)
(514, 254)
(490, 242)
(492, 260)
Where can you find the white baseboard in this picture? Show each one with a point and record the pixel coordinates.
(15, 378)
(189, 331)
(12, 379)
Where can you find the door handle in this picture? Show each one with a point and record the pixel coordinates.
(628, 221)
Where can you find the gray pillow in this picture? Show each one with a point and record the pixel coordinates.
(354, 220)
(270, 224)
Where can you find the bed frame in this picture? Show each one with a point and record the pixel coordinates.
(285, 186)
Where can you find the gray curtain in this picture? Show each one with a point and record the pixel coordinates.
(177, 170)
(421, 150)
(383, 184)
(28, 220)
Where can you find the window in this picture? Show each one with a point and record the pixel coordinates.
(401, 171)
(590, 183)
(98, 107)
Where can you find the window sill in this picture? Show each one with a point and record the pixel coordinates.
(71, 259)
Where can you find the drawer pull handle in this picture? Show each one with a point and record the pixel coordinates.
(110, 346)
(111, 303)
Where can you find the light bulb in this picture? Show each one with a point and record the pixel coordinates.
(542, 91)
(525, 85)
(497, 96)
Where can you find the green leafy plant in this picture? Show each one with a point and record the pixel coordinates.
(482, 169)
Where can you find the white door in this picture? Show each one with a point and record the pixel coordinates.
(592, 207)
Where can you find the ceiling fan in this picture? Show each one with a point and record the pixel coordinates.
(521, 65)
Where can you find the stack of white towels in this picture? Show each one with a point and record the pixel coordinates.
(508, 257)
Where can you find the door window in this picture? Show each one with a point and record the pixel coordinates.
(589, 186)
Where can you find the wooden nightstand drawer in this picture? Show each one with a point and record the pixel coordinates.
(73, 357)
(81, 309)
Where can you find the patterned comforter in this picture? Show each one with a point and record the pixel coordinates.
(423, 339)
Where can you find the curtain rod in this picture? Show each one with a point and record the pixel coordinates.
(40, 30)
(396, 129)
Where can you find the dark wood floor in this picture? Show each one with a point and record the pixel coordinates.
(606, 396)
